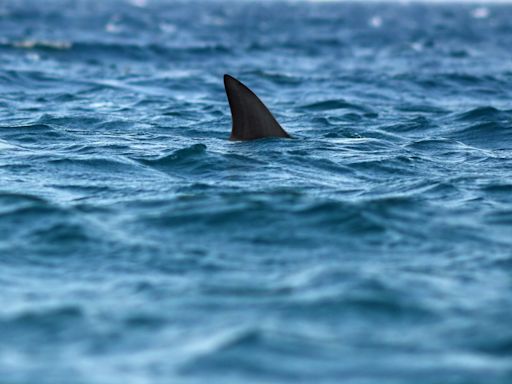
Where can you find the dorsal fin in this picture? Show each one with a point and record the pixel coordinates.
(251, 118)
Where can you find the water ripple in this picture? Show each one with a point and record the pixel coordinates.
(139, 244)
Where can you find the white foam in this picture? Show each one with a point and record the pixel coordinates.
(376, 21)
(480, 13)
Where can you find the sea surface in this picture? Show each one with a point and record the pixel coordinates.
(138, 245)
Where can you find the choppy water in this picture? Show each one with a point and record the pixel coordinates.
(139, 245)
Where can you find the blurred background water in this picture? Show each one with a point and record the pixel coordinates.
(139, 245)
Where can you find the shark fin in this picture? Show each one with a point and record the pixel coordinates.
(251, 118)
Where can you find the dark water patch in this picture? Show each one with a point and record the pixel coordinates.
(501, 347)
(387, 166)
(115, 126)
(196, 159)
(41, 225)
(82, 122)
(490, 135)
(433, 145)
(377, 300)
(203, 211)
(32, 134)
(277, 77)
(422, 108)
(344, 218)
(35, 139)
(466, 79)
(500, 217)
(485, 114)
(329, 166)
(180, 157)
(18, 79)
(419, 125)
(13, 202)
(329, 105)
(499, 188)
(498, 191)
(445, 151)
(36, 328)
(145, 321)
(88, 164)
(85, 190)
(34, 128)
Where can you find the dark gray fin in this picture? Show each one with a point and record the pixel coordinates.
(251, 118)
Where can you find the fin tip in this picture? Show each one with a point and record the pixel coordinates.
(228, 77)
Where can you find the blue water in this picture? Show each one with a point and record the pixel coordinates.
(139, 245)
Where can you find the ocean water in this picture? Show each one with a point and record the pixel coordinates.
(139, 245)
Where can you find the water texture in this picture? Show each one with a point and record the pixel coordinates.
(139, 245)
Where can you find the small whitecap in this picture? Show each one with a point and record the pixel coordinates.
(32, 56)
(25, 44)
(168, 28)
(176, 74)
(30, 44)
(102, 105)
(139, 3)
(112, 28)
(480, 13)
(376, 22)
(418, 47)
(113, 25)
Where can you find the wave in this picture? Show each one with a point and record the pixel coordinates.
(485, 113)
(329, 105)
(138, 243)
(492, 135)
(25, 326)
(179, 157)
(41, 45)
